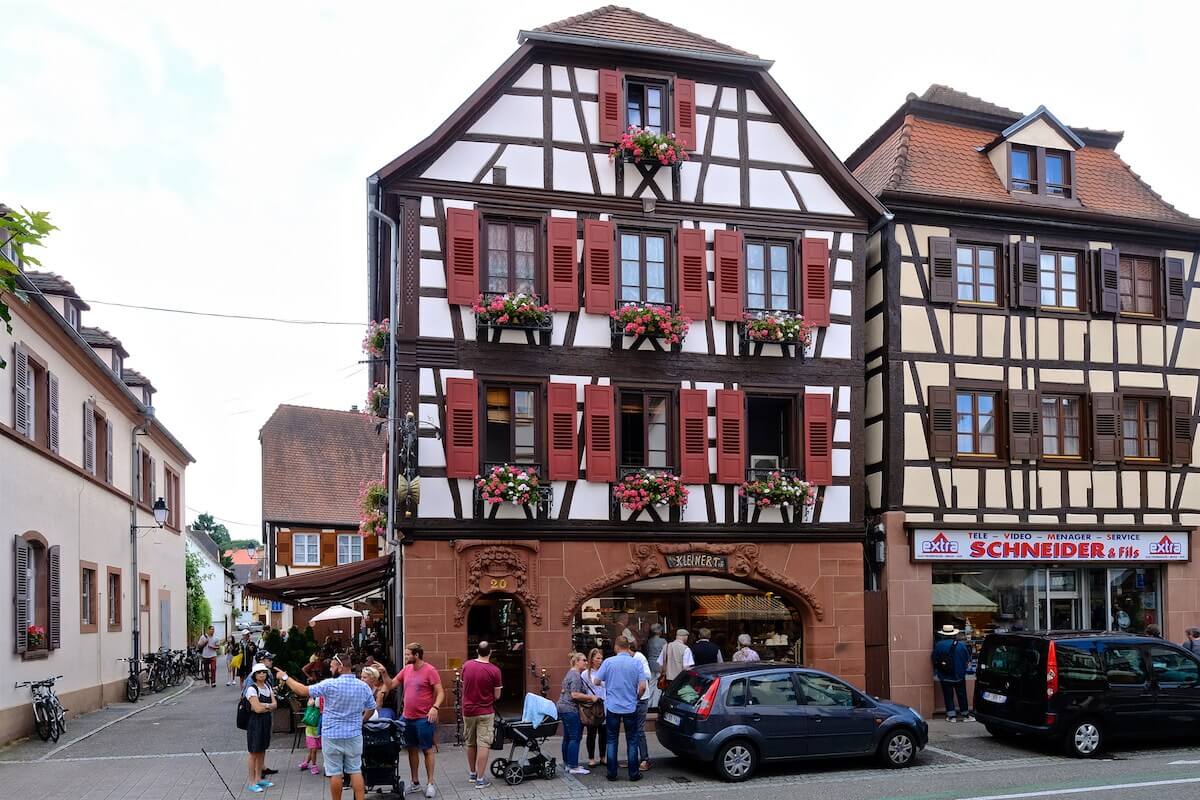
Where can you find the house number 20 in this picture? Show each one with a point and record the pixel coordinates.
(499, 583)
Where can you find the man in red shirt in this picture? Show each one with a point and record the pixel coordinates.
(481, 689)
(423, 693)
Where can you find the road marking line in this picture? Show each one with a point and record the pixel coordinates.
(952, 754)
(1082, 789)
(73, 759)
(1173, 763)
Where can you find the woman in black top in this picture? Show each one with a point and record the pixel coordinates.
(258, 728)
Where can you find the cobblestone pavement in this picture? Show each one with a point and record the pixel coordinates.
(184, 746)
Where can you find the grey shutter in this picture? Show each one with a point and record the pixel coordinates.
(1106, 426)
(1024, 424)
(1181, 430)
(52, 403)
(108, 451)
(941, 422)
(1025, 257)
(1108, 280)
(54, 606)
(1176, 289)
(21, 560)
(89, 438)
(21, 390)
(941, 269)
(153, 482)
(137, 474)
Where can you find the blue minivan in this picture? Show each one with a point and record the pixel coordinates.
(739, 715)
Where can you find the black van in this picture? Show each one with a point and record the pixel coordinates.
(1082, 688)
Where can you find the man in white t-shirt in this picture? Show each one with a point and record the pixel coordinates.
(209, 647)
(643, 705)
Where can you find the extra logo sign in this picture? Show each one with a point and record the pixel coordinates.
(940, 545)
(1048, 546)
(1166, 547)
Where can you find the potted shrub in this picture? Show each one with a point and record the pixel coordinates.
(375, 343)
(640, 146)
(508, 483)
(377, 400)
(372, 506)
(515, 309)
(649, 487)
(647, 319)
(778, 490)
(779, 327)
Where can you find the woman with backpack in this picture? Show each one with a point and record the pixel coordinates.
(256, 708)
(950, 657)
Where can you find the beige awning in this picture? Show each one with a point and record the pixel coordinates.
(960, 597)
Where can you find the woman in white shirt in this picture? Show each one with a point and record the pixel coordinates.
(595, 659)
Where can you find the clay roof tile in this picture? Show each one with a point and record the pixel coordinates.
(633, 27)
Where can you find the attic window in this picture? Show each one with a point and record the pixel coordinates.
(646, 104)
(1058, 173)
(72, 315)
(1023, 170)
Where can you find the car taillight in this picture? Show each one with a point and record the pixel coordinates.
(1051, 672)
(709, 700)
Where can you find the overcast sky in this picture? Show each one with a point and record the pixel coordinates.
(212, 156)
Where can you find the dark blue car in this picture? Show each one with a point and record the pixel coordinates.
(739, 715)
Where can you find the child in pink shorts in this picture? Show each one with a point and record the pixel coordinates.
(313, 735)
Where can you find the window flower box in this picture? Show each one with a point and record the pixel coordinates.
(377, 401)
(640, 146)
(35, 636)
(647, 488)
(650, 321)
(518, 485)
(777, 491)
(785, 328)
(514, 311)
(372, 506)
(375, 342)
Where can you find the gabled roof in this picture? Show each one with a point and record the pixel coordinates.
(1040, 113)
(134, 378)
(98, 337)
(949, 96)
(55, 284)
(615, 26)
(241, 556)
(313, 463)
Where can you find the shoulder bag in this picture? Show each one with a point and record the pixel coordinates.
(591, 714)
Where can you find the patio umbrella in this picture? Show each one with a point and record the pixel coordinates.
(338, 612)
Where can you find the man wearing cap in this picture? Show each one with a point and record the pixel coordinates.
(950, 659)
(677, 656)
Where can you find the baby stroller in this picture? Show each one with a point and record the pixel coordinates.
(383, 741)
(533, 763)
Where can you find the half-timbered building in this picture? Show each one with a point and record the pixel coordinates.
(1032, 347)
(520, 192)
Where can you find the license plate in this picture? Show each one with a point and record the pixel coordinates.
(671, 718)
(992, 697)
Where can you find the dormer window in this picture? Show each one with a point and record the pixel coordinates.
(646, 104)
(1023, 170)
(117, 364)
(1058, 173)
(72, 315)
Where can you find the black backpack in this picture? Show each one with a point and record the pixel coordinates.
(944, 665)
(243, 713)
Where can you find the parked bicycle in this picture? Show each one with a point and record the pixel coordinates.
(49, 716)
(133, 683)
(158, 672)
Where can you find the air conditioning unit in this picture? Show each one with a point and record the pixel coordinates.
(764, 462)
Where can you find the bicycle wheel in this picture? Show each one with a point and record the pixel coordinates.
(60, 715)
(133, 688)
(55, 727)
(41, 720)
(158, 679)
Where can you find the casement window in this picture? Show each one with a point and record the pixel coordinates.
(72, 314)
(510, 258)
(769, 275)
(88, 591)
(646, 429)
(1022, 169)
(1058, 280)
(349, 548)
(172, 497)
(655, 104)
(1138, 286)
(975, 273)
(1058, 173)
(511, 424)
(1141, 428)
(35, 395)
(771, 431)
(306, 549)
(644, 277)
(975, 423)
(37, 597)
(147, 480)
(113, 585)
(1062, 426)
(646, 104)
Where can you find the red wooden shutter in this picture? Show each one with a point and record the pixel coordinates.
(941, 269)
(600, 434)
(731, 436)
(1024, 424)
(1106, 426)
(54, 604)
(693, 274)
(462, 255)
(941, 422)
(730, 266)
(818, 439)
(598, 256)
(693, 435)
(563, 263)
(612, 116)
(1025, 258)
(1181, 430)
(1108, 280)
(564, 441)
(816, 281)
(52, 437)
(21, 599)
(462, 425)
(685, 113)
(1176, 293)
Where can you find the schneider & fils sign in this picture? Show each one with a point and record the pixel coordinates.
(1011, 546)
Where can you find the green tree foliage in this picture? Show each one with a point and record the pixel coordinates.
(18, 231)
(215, 530)
(199, 614)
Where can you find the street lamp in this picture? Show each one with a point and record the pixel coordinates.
(160, 511)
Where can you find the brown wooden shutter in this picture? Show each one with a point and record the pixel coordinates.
(462, 255)
(693, 273)
(108, 451)
(941, 269)
(1108, 280)
(1176, 292)
(731, 436)
(89, 438)
(21, 389)
(941, 422)
(52, 437)
(462, 427)
(21, 599)
(564, 437)
(1106, 426)
(815, 258)
(283, 547)
(693, 435)
(612, 112)
(328, 549)
(685, 113)
(598, 257)
(371, 547)
(1025, 257)
(818, 439)
(1181, 430)
(729, 261)
(600, 433)
(54, 601)
(1024, 424)
(563, 264)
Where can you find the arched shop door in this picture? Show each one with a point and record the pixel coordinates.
(500, 620)
(725, 606)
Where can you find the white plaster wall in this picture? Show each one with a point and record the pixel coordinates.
(818, 197)
(769, 189)
(511, 115)
(768, 141)
(462, 161)
(435, 317)
(524, 164)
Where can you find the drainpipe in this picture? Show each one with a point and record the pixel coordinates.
(134, 583)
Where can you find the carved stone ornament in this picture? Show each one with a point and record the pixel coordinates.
(506, 569)
(649, 561)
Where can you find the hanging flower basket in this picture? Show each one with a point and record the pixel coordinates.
(648, 487)
(646, 319)
(778, 327)
(778, 490)
(372, 506)
(640, 146)
(377, 401)
(507, 483)
(35, 635)
(512, 310)
(375, 343)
